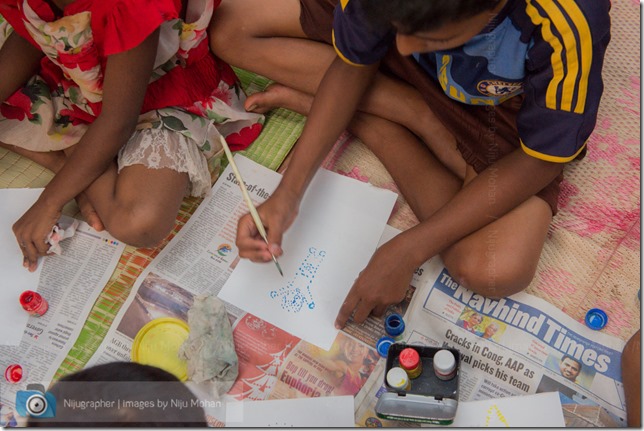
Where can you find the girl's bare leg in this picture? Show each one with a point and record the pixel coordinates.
(139, 205)
(54, 161)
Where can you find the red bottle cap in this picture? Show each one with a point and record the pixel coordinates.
(13, 373)
(33, 303)
(409, 358)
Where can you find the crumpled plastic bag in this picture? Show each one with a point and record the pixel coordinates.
(209, 350)
(58, 233)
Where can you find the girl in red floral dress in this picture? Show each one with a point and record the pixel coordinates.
(123, 100)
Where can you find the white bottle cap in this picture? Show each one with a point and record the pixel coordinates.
(397, 378)
(444, 362)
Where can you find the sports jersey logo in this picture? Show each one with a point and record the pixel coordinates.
(494, 88)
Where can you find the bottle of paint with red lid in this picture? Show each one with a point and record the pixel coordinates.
(33, 303)
(410, 362)
(14, 373)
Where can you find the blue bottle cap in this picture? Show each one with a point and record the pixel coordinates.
(383, 345)
(596, 318)
(394, 324)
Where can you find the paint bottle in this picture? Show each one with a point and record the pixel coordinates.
(33, 303)
(14, 373)
(395, 326)
(398, 379)
(410, 362)
(444, 365)
(383, 345)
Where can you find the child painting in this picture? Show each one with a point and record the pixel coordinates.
(473, 106)
(124, 102)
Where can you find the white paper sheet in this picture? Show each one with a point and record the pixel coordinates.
(15, 278)
(322, 412)
(533, 411)
(331, 241)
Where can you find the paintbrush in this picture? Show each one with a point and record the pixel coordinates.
(251, 207)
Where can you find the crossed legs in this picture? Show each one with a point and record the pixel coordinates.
(398, 126)
(137, 206)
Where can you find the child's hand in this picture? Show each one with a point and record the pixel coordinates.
(277, 215)
(383, 282)
(31, 232)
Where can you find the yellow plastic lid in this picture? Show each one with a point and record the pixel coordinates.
(157, 344)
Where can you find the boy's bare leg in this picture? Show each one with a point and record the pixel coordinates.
(267, 38)
(495, 261)
(54, 161)
(632, 378)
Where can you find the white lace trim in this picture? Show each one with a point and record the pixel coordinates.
(163, 148)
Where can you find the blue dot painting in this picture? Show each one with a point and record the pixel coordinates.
(297, 295)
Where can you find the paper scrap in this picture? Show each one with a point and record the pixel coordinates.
(533, 411)
(321, 412)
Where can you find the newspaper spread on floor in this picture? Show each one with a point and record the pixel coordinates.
(70, 283)
(513, 346)
(273, 364)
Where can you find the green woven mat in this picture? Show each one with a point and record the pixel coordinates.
(281, 130)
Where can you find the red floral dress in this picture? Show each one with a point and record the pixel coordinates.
(191, 100)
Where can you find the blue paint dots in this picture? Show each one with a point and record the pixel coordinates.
(297, 293)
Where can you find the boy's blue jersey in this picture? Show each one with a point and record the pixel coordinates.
(550, 50)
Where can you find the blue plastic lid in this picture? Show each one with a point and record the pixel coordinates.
(596, 318)
(394, 324)
(383, 345)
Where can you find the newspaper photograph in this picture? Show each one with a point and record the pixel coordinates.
(515, 346)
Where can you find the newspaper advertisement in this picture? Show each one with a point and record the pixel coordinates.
(70, 283)
(514, 346)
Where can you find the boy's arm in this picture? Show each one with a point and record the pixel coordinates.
(335, 104)
(19, 61)
(333, 108)
(126, 79)
(516, 177)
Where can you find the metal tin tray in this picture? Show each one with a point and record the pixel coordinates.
(430, 399)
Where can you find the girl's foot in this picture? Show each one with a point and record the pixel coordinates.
(279, 96)
(54, 161)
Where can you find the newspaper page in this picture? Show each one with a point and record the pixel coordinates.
(515, 346)
(71, 284)
(198, 260)
(273, 364)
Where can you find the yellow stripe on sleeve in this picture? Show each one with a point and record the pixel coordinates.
(586, 41)
(344, 3)
(555, 58)
(548, 157)
(572, 62)
(345, 59)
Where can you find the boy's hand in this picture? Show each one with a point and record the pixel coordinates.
(383, 282)
(277, 215)
(31, 232)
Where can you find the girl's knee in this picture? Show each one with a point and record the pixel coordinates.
(137, 227)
